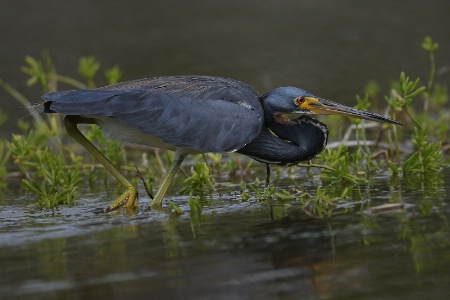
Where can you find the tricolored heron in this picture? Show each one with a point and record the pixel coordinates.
(198, 114)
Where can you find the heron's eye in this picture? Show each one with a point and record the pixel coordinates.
(299, 100)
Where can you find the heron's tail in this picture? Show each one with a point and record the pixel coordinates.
(36, 108)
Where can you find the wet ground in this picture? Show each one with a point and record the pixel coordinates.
(232, 250)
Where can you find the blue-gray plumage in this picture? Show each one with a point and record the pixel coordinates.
(188, 112)
(300, 142)
(197, 114)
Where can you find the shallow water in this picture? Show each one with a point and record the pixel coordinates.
(232, 250)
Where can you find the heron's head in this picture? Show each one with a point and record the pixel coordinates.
(287, 103)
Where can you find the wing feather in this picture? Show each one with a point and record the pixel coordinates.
(201, 113)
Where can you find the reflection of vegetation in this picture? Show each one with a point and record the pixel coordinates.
(423, 224)
(431, 187)
(52, 258)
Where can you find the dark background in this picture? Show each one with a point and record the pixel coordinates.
(331, 48)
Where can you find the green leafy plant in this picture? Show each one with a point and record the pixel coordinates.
(5, 153)
(427, 159)
(113, 75)
(48, 176)
(88, 66)
(339, 171)
(109, 147)
(39, 71)
(199, 182)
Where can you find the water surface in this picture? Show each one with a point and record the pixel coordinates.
(232, 250)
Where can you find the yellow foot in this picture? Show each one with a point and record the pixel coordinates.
(129, 200)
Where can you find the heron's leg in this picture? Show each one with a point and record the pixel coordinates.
(268, 175)
(129, 197)
(177, 160)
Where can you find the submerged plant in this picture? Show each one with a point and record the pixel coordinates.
(321, 205)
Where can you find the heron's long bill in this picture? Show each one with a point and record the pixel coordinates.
(325, 107)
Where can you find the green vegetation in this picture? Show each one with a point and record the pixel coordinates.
(45, 157)
(47, 175)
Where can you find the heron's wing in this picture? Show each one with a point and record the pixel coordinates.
(192, 121)
(195, 87)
